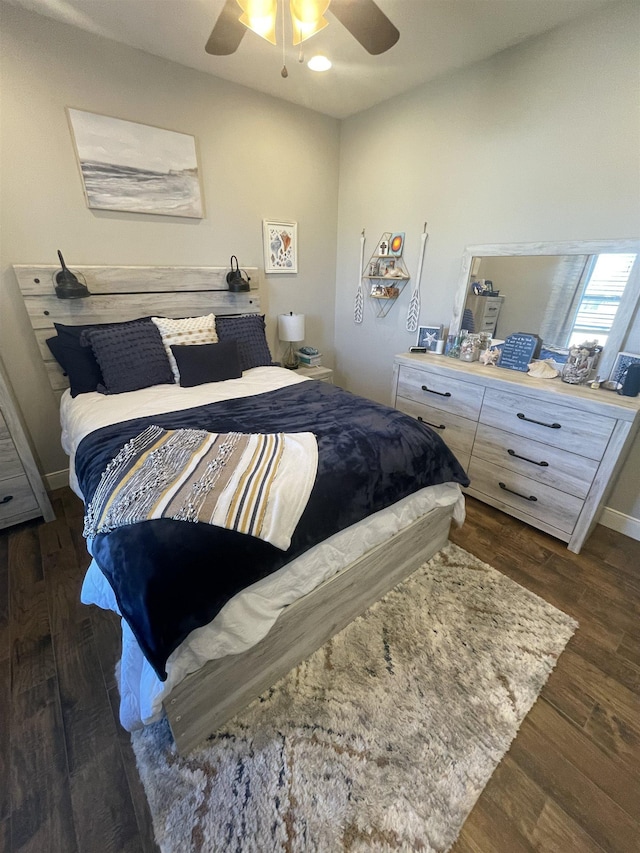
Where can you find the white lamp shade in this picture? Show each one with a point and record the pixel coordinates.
(291, 327)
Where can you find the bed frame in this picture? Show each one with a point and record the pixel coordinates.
(206, 699)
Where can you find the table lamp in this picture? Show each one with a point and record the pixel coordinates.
(290, 329)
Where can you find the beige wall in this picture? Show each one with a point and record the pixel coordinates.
(260, 158)
(537, 144)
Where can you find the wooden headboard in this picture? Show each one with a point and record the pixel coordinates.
(124, 293)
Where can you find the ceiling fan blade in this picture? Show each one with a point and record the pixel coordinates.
(227, 33)
(367, 23)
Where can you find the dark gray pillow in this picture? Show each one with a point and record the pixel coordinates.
(202, 363)
(131, 356)
(249, 331)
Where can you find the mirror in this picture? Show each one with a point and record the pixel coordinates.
(544, 289)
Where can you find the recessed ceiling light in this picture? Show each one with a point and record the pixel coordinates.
(319, 63)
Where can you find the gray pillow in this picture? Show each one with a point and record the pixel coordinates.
(131, 356)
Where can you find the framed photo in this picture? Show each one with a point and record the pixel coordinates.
(396, 244)
(136, 168)
(280, 245)
(620, 365)
(428, 335)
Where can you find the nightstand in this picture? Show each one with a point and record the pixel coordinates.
(322, 374)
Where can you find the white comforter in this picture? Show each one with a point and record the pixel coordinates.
(247, 617)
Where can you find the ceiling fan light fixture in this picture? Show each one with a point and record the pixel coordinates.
(307, 18)
(259, 16)
(319, 63)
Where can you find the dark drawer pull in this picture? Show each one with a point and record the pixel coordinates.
(540, 423)
(526, 497)
(524, 459)
(439, 393)
(435, 426)
(6, 499)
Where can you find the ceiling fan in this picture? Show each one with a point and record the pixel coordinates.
(364, 19)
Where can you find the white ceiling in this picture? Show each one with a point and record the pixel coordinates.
(436, 37)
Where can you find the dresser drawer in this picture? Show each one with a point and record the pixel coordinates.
(541, 462)
(487, 325)
(16, 497)
(551, 506)
(491, 310)
(457, 432)
(10, 464)
(440, 392)
(570, 429)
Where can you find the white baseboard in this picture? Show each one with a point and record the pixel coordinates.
(621, 523)
(56, 480)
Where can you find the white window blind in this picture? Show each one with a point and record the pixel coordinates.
(601, 297)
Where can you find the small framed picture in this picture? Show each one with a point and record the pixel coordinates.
(280, 244)
(396, 244)
(621, 364)
(383, 246)
(428, 335)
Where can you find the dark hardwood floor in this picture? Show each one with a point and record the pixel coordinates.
(68, 782)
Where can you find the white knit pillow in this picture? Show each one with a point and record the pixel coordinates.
(189, 332)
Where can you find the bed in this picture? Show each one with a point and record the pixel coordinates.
(271, 605)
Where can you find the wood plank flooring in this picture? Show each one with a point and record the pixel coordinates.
(68, 781)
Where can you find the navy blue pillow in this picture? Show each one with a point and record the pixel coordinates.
(78, 363)
(202, 363)
(249, 332)
(130, 356)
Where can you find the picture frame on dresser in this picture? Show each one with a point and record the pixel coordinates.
(428, 336)
(622, 363)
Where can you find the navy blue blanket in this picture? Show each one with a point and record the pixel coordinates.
(170, 577)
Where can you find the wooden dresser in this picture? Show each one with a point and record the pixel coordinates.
(22, 492)
(541, 450)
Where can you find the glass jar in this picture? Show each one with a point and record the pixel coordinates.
(470, 348)
(484, 342)
(581, 363)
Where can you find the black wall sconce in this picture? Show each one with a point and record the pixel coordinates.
(67, 284)
(236, 281)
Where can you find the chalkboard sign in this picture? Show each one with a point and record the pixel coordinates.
(518, 351)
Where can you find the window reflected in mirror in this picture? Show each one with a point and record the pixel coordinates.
(599, 299)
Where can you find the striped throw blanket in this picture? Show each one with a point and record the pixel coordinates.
(254, 484)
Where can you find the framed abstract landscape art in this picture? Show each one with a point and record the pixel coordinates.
(136, 168)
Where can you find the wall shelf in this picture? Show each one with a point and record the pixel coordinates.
(385, 288)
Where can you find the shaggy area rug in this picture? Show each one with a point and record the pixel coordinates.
(383, 740)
